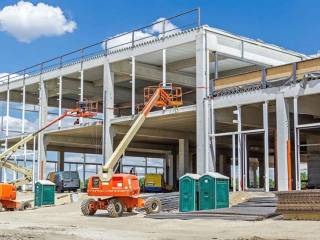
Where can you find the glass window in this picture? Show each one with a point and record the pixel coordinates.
(135, 161)
(155, 162)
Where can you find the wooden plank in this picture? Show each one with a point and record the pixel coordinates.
(272, 74)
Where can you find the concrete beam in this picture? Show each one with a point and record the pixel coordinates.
(71, 86)
(69, 141)
(187, 63)
(153, 132)
(152, 73)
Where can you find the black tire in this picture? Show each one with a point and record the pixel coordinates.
(115, 208)
(24, 206)
(152, 205)
(86, 209)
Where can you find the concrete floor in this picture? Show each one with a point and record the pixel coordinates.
(66, 222)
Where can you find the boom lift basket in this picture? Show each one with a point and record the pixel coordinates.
(88, 108)
(173, 98)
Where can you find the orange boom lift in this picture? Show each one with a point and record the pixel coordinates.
(8, 190)
(117, 193)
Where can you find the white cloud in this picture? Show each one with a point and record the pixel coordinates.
(13, 77)
(27, 22)
(125, 39)
(158, 27)
(16, 124)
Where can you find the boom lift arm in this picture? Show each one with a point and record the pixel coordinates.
(162, 96)
(84, 111)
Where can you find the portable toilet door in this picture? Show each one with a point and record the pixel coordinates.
(213, 191)
(206, 192)
(188, 191)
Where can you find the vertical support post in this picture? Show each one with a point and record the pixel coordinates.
(34, 164)
(43, 116)
(164, 28)
(213, 138)
(170, 163)
(81, 89)
(206, 135)
(84, 168)
(234, 182)
(108, 106)
(164, 67)
(282, 139)
(23, 119)
(132, 39)
(240, 179)
(208, 83)
(264, 78)
(60, 99)
(200, 102)
(133, 85)
(198, 17)
(296, 144)
(7, 125)
(266, 145)
(183, 156)
(245, 161)
(216, 65)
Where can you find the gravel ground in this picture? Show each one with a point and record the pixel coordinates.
(66, 222)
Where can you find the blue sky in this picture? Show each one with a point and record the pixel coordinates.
(288, 23)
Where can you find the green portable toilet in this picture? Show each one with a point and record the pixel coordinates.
(213, 191)
(188, 191)
(44, 193)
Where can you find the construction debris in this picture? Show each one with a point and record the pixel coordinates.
(299, 205)
(254, 209)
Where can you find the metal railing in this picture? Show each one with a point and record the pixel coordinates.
(155, 31)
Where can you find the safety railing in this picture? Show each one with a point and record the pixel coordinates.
(159, 29)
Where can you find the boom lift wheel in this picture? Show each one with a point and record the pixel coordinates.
(152, 205)
(115, 208)
(88, 207)
(24, 206)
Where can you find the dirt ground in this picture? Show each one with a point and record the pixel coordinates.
(66, 222)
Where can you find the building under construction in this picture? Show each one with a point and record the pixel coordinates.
(249, 108)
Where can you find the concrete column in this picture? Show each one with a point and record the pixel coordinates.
(282, 138)
(43, 118)
(183, 156)
(133, 85)
(61, 161)
(221, 164)
(108, 108)
(81, 88)
(296, 144)
(60, 98)
(171, 168)
(201, 79)
(266, 146)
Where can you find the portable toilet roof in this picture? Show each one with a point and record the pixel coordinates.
(45, 182)
(191, 175)
(216, 175)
